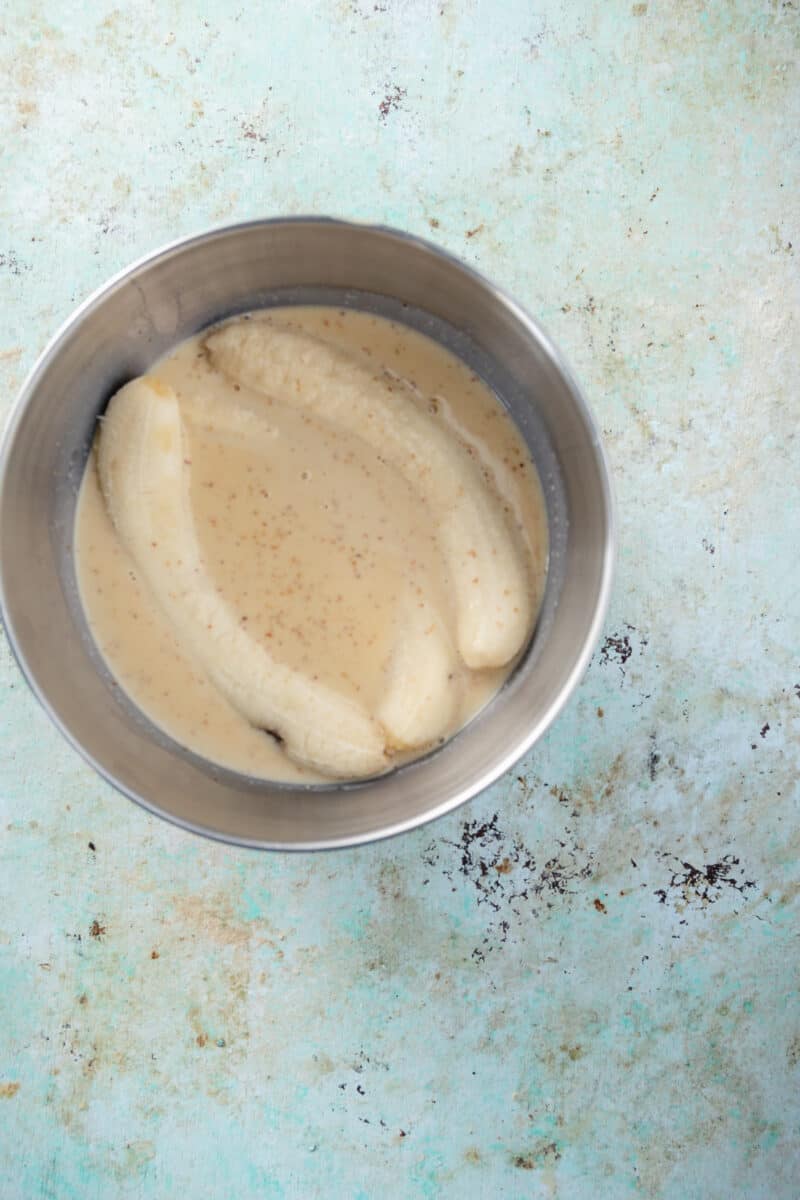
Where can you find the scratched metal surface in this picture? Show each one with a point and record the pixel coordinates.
(585, 983)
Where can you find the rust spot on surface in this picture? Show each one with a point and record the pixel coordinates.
(546, 1155)
(793, 1052)
(601, 908)
(471, 233)
(653, 759)
(251, 134)
(508, 879)
(154, 954)
(10, 262)
(392, 100)
(96, 930)
(7, 1090)
(701, 886)
(617, 647)
(202, 1039)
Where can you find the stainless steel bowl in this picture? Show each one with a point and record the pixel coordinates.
(118, 333)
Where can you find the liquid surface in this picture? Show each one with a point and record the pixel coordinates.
(318, 545)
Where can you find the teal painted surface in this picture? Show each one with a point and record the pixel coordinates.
(585, 983)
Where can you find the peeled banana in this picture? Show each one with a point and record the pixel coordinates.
(145, 485)
(487, 572)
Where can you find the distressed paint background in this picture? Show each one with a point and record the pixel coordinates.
(585, 983)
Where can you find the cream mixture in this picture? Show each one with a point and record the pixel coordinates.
(319, 482)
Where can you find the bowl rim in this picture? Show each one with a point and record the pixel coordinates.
(581, 662)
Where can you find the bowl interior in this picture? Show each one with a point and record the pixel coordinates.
(131, 322)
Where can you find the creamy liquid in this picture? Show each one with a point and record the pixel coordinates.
(315, 544)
